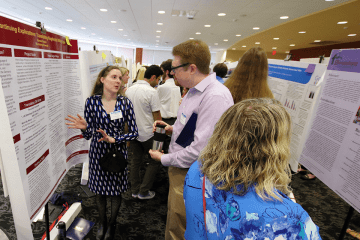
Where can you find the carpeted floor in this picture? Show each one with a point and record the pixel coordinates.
(145, 219)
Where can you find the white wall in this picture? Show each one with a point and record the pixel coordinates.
(115, 50)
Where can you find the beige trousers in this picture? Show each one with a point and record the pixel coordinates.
(176, 215)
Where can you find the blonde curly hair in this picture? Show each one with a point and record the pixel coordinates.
(250, 147)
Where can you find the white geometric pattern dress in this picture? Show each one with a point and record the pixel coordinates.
(104, 182)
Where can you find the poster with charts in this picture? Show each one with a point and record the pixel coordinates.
(40, 79)
(332, 149)
(296, 85)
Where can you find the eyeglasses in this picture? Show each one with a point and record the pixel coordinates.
(172, 69)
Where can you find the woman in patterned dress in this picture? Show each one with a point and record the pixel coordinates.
(243, 174)
(106, 113)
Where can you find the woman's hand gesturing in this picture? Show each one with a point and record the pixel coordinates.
(105, 137)
(76, 122)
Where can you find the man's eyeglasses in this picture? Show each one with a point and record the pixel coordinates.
(182, 65)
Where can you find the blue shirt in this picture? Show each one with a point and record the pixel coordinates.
(220, 79)
(231, 217)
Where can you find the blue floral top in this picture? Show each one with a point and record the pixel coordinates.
(248, 217)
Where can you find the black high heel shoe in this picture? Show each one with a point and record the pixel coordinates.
(101, 232)
(110, 233)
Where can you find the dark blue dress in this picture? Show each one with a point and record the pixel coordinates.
(104, 182)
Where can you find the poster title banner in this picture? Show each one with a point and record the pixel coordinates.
(20, 34)
(294, 74)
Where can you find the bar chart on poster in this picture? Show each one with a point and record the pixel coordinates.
(40, 79)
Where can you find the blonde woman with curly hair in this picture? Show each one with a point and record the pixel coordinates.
(249, 79)
(125, 78)
(241, 179)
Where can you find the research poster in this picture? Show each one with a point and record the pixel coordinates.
(296, 85)
(40, 79)
(332, 149)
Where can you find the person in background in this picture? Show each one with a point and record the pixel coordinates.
(169, 95)
(147, 110)
(249, 79)
(202, 106)
(221, 70)
(105, 115)
(125, 78)
(242, 177)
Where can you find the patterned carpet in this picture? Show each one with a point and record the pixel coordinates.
(145, 219)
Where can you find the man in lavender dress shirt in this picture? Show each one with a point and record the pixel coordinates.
(207, 98)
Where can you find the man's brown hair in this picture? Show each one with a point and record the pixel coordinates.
(194, 52)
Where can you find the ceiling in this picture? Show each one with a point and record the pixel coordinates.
(136, 21)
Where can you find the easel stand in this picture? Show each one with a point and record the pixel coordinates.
(346, 224)
(47, 222)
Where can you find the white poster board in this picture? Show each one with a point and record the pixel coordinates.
(296, 85)
(40, 79)
(332, 149)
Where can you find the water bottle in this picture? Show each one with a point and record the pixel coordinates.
(62, 230)
(159, 137)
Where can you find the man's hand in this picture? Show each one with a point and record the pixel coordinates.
(168, 128)
(156, 155)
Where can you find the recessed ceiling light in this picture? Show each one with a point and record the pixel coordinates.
(352, 35)
(103, 10)
(257, 43)
(158, 31)
(276, 38)
(222, 14)
(113, 21)
(158, 36)
(69, 20)
(48, 8)
(198, 33)
(83, 28)
(225, 40)
(233, 48)
(302, 32)
(159, 23)
(256, 28)
(216, 44)
(329, 0)
(101, 38)
(207, 25)
(284, 17)
(244, 46)
(317, 41)
(238, 35)
(292, 45)
(191, 38)
(287, 52)
(120, 29)
(161, 12)
(274, 48)
(343, 22)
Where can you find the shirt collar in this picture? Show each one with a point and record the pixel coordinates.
(143, 82)
(170, 81)
(201, 86)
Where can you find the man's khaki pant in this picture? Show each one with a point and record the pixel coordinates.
(176, 215)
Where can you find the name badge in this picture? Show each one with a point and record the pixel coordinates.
(116, 115)
(183, 118)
